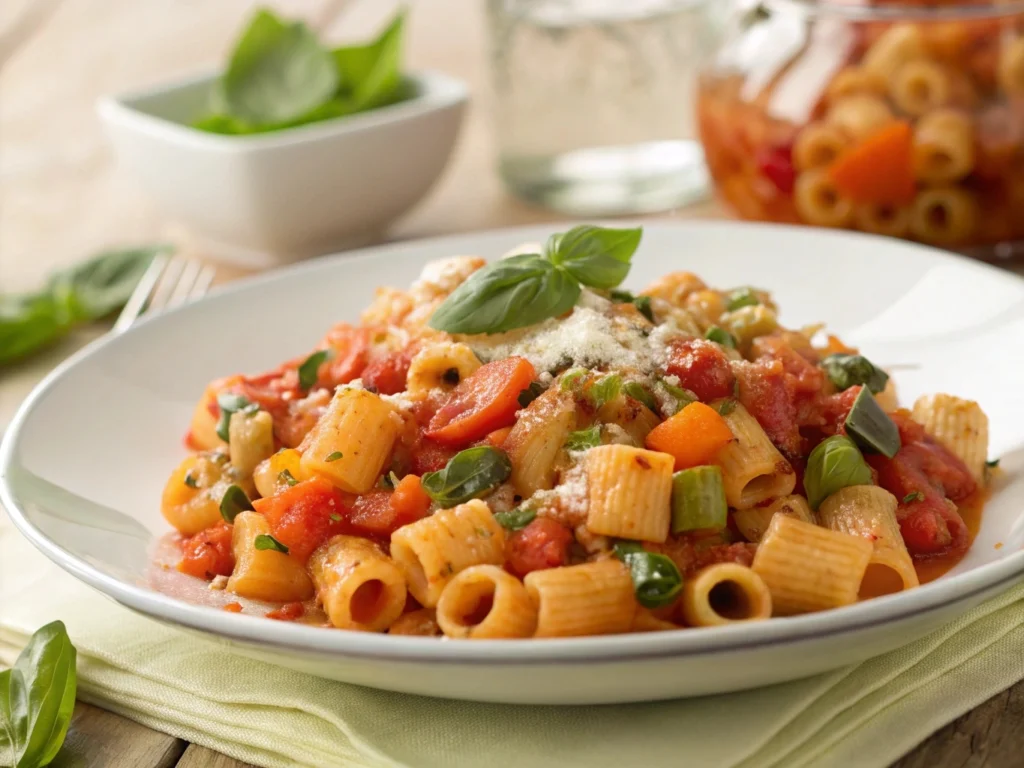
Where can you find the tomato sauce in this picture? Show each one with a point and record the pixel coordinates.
(970, 511)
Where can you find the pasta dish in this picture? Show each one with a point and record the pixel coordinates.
(524, 449)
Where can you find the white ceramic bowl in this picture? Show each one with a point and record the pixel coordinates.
(84, 462)
(275, 197)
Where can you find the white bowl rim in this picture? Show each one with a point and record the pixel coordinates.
(436, 91)
(603, 649)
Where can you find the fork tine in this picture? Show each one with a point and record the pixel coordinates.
(162, 292)
(203, 283)
(186, 280)
(136, 303)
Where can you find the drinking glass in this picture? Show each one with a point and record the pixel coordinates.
(594, 100)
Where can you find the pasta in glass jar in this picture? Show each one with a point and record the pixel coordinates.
(894, 118)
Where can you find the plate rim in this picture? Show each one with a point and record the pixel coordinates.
(612, 648)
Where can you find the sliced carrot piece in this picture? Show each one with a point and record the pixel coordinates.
(693, 436)
(879, 169)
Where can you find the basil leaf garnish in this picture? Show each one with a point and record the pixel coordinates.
(233, 502)
(642, 303)
(334, 456)
(286, 476)
(229, 404)
(583, 439)
(266, 541)
(309, 371)
(531, 393)
(834, 464)
(742, 297)
(606, 389)
(507, 294)
(469, 474)
(37, 697)
(845, 371)
(515, 519)
(595, 256)
(190, 481)
(657, 581)
(639, 392)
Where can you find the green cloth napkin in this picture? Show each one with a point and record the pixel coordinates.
(866, 715)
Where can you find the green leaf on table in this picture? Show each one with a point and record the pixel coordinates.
(278, 72)
(370, 74)
(595, 256)
(511, 293)
(38, 697)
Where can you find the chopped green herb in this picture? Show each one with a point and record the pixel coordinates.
(657, 581)
(266, 541)
(309, 371)
(742, 297)
(334, 456)
(286, 477)
(572, 379)
(390, 481)
(682, 397)
(845, 371)
(871, 427)
(230, 404)
(190, 481)
(233, 502)
(639, 392)
(531, 393)
(469, 474)
(834, 464)
(727, 406)
(992, 464)
(583, 439)
(515, 519)
(335, 517)
(720, 336)
(606, 389)
(642, 303)
(915, 496)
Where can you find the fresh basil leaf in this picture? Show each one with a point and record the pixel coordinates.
(624, 547)
(657, 581)
(727, 406)
(6, 736)
(531, 393)
(845, 371)
(469, 474)
(583, 439)
(915, 496)
(190, 480)
(515, 519)
(742, 297)
(334, 456)
(639, 392)
(265, 541)
(834, 464)
(680, 398)
(992, 464)
(606, 389)
(278, 72)
(720, 336)
(309, 371)
(595, 256)
(287, 477)
(511, 293)
(642, 303)
(572, 379)
(371, 74)
(229, 404)
(40, 700)
(233, 502)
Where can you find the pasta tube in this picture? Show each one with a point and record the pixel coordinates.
(870, 512)
(536, 441)
(432, 550)
(590, 599)
(485, 601)
(958, 424)
(753, 522)
(630, 492)
(264, 574)
(723, 594)
(752, 468)
(809, 568)
(359, 586)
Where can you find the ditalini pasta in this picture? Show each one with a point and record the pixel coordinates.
(474, 463)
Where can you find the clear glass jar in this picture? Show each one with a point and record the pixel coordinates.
(896, 118)
(594, 100)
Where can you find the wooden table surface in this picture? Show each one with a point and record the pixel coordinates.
(61, 198)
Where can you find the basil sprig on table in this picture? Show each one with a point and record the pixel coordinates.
(279, 76)
(657, 581)
(529, 288)
(84, 293)
(469, 474)
(37, 698)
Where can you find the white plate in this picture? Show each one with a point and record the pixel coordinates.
(83, 464)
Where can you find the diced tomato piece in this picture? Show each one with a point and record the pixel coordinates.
(767, 392)
(272, 390)
(701, 367)
(350, 347)
(776, 164)
(233, 608)
(429, 456)
(807, 377)
(306, 515)
(388, 374)
(544, 543)
(382, 512)
(287, 612)
(482, 402)
(208, 553)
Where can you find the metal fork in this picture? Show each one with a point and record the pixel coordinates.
(167, 282)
